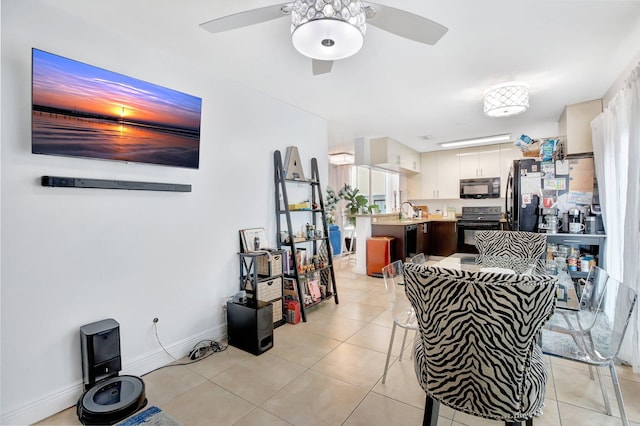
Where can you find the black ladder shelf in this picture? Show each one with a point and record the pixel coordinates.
(320, 243)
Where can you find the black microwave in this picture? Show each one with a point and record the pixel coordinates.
(480, 188)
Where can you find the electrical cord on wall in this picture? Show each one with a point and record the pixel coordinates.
(201, 350)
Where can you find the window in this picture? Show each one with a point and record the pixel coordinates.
(379, 186)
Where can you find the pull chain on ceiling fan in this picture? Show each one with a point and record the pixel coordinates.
(328, 30)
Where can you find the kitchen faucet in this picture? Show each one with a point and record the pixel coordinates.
(402, 204)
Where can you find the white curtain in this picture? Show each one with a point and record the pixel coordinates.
(616, 148)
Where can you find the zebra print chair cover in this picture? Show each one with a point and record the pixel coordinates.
(477, 350)
(528, 245)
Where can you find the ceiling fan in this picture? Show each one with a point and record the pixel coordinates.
(328, 30)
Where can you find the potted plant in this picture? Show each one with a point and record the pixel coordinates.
(355, 201)
(330, 204)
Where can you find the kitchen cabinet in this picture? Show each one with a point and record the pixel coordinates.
(575, 124)
(483, 161)
(409, 159)
(405, 239)
(441, 171)
(422, 241)
(508, 154)
(439, 177)
(389, 154)
(443, 238)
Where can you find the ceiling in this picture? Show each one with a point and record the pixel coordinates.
(566, 51)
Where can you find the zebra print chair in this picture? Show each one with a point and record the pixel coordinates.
(527, 245)
(477, 350)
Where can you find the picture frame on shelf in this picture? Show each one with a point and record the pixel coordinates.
(253, 239)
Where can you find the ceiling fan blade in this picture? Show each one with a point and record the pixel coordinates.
(406, 24)
(321, 67)
(248, 17)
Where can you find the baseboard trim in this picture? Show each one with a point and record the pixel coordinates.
(67, 397)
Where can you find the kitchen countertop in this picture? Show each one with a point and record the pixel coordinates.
(392, 219)
(406, 222)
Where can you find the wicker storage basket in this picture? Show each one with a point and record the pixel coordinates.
(270, 264)
(277, 310)
(269, 290)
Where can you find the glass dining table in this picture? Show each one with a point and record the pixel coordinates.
(567, 296)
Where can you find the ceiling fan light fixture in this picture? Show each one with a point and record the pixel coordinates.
(328, 29)
(506, 99)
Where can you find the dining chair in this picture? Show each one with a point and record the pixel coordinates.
(477, 348)
(350, 233)
(399, 306)
(593, 334)
(419, 259)
(530, 245)
(590, 291)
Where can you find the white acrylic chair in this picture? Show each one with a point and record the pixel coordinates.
(349, 231)
(593, 335)
(418, 259)
(399, 306)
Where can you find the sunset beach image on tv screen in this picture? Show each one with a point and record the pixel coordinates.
(80, 110)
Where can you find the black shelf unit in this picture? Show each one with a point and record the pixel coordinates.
(593, 243)
(262, 278)
(318, 245)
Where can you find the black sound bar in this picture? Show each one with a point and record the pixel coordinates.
(71, 182)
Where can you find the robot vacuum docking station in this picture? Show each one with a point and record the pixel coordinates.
(108, 397)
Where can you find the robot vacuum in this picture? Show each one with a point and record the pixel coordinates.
(108, 398)
(111, 401)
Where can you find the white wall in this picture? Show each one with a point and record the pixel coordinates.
(73, 256)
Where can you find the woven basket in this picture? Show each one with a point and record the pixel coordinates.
(270, 264)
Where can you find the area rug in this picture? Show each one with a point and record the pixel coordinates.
(152, 416)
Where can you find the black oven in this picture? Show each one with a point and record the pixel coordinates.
(475, 219)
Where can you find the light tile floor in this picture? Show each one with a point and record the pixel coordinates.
(328, 371)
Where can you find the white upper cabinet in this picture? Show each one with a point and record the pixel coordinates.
(479, 162)
(410, 159)
(448, 174)
(428, 175)
(575, 124)
(389, 154)
(439, 176)
(441, 171)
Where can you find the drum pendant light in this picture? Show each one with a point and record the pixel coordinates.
(328, 29)
(506, 99)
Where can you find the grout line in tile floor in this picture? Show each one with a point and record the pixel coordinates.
(328, 371)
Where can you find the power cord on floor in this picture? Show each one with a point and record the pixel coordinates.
(201, 350)
(205, 348)
(155, 329)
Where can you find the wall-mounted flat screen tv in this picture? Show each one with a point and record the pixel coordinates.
(79, 110)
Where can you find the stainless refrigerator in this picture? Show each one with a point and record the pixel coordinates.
(531, 182)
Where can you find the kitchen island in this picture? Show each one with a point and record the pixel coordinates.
(430, 235)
